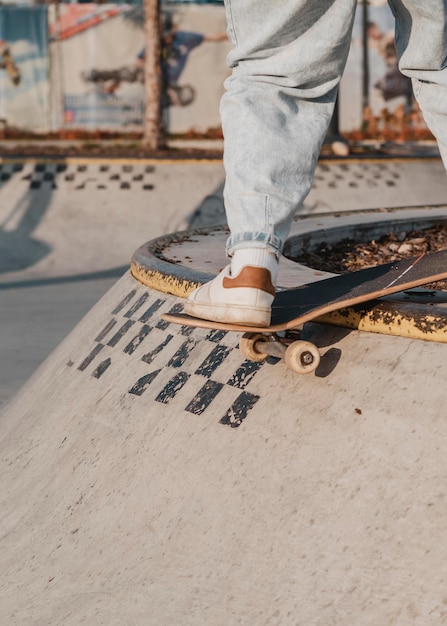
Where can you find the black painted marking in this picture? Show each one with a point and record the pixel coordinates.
(123, 303)
(127, 168)
(162, 325)
(148, 187)
(139, 303)
(35, 184)
(149, 169)
(70, 363)
(102, 367)
(48, 176)
(82, 168)
(17, 167)
(40, 167)
(5, 176)
(69, 177)
(169, 392)
(104, 168)
(143, 383)
(245, 374)
(115, 177)
(61, 167)
(151, 310)
(86, 362)
(136, 341)
(182, 354)
(213, 361)
(186, 331)
(177, 308)
(137, 177)
(216, 335)
(237, 413)
(150, 356)
(125, 185)
(105, 331)
(122, 331)
(204, 397)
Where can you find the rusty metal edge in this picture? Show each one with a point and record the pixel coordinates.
(401, 319)
(397, 318)
(150, 268)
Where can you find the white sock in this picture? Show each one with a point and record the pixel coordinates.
(257, 257)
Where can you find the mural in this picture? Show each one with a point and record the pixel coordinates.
(81, 67)
(100, 51)
(24, 93)
(391, 111)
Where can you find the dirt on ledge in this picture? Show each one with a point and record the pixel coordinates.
(348, 255)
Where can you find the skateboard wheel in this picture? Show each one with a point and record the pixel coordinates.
(302, 357)
(249, 344)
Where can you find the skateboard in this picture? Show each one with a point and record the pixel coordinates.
(292, 308)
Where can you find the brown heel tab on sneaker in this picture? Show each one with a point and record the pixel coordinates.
(252, 277)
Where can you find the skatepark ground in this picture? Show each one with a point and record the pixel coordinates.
(68, 233)
(64, 243)
(150, 476)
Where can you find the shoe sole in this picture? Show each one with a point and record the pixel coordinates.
(229, 314)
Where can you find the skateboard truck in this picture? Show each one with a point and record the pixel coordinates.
(300, 356)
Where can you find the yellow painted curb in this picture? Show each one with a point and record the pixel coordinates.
(401, 319)
(396, 318)
(395, 315)
(162, 281)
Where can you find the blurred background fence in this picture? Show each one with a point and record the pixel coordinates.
(80, 67)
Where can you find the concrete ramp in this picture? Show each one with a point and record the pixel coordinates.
(150, 475)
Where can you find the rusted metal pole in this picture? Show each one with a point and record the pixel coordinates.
(365, 77)
(153, 135)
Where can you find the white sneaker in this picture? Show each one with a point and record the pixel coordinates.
(243, 299)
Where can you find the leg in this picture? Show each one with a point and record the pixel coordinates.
(421, 41)
(286, 64)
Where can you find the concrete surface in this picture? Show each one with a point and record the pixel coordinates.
(35, 317)
(69, 228)
(67, 233)
(150, 475)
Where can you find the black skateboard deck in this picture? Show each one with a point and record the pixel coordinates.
(294, 307)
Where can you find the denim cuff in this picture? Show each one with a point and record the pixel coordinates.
(254, 240)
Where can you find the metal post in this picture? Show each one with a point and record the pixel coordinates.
(365, 83)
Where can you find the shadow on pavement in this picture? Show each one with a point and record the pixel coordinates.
(211, 210)
(115, 272)
(18, 248)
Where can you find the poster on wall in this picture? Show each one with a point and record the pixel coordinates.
(98, 54)
(24, 84)
(391, 110)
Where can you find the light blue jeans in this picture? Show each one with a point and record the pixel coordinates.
(287, 60)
